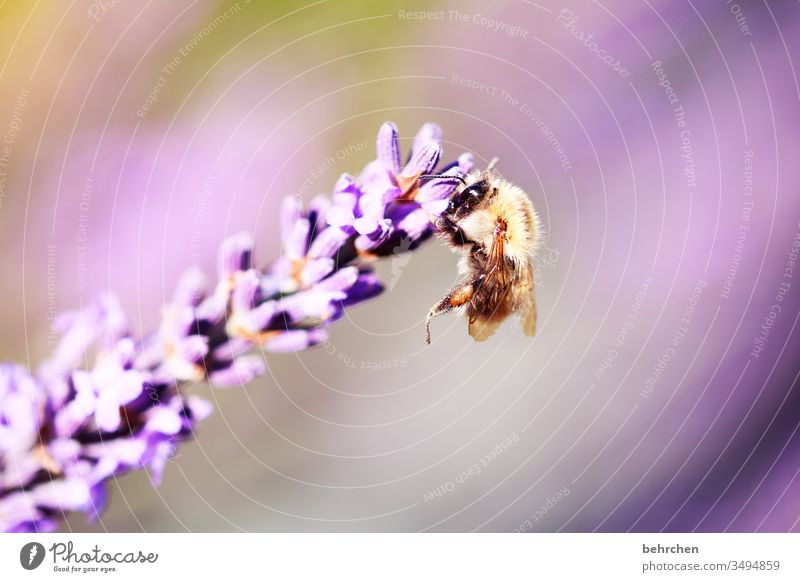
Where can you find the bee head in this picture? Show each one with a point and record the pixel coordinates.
(472, 191)
(468, 198)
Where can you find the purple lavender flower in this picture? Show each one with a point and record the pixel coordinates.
(65, 432)
(388, 202)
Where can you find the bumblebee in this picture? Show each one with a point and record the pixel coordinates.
(492, 224)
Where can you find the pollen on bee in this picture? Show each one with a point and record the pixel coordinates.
(461, 295)
(501, 226)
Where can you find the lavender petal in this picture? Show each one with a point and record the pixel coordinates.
(241, 371)
(429, 132)
(424, 160)
(236, 255)
(388, 147)
(327, 243)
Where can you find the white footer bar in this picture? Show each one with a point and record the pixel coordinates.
(389, 557)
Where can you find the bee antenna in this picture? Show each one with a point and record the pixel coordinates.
(492, 164)
(458, 177)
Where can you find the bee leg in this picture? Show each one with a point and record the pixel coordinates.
(456, 298)
(440, 308)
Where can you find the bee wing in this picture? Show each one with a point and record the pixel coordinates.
(482, 327)
(524, 301)
(491, 305)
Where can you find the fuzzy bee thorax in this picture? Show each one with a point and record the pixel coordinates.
(508, 213)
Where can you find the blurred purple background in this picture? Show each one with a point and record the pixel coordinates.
(658, 141)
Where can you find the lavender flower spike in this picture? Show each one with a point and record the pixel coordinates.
(65, 431)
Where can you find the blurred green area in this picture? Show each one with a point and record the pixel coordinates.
(300, 37)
